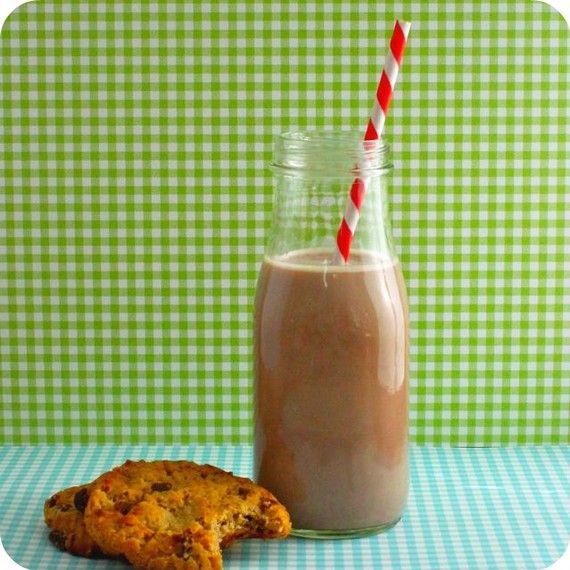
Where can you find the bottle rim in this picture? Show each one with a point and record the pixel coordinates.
(330, 152)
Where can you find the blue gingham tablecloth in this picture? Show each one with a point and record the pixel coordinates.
(468, 508)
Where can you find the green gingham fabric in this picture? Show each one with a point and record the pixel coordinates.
(493, 508)
(135, 199)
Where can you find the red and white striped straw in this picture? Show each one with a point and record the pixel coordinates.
(373, 132)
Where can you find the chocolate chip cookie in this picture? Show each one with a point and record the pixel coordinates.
(177, 514)
(63, 513)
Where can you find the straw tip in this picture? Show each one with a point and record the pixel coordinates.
(405, 26)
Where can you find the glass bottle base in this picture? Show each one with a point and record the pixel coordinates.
(324, 534)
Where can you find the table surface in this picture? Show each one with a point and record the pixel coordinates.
(468, 508)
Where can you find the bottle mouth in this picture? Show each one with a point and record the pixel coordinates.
(330, 152)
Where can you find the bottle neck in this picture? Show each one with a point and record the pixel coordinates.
(308, 209)
(313, 173)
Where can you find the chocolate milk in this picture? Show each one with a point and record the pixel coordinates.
(331, 369)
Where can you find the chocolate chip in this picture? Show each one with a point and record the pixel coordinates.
(243, 492)
(124, 507)
(57, 539)
(80, 500)
(161, 487)
(182, 546)
(52, 501)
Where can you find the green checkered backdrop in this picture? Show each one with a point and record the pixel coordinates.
(136, 198)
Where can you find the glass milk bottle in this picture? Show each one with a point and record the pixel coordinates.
(331, 343)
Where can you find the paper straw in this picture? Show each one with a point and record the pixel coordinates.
(373, 132)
